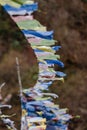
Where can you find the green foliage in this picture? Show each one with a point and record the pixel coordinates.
(84, 1)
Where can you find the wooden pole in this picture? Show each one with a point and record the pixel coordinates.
(2, 85)
(19, 76)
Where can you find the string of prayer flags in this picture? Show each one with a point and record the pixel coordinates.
(39, 112)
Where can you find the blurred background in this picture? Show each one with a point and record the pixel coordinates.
(68, 19)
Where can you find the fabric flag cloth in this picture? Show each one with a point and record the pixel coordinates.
(45, 35)
(31, 25)
(35, 41)
(21, 18)
(23, 10)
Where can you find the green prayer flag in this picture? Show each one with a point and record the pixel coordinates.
(31, 25)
